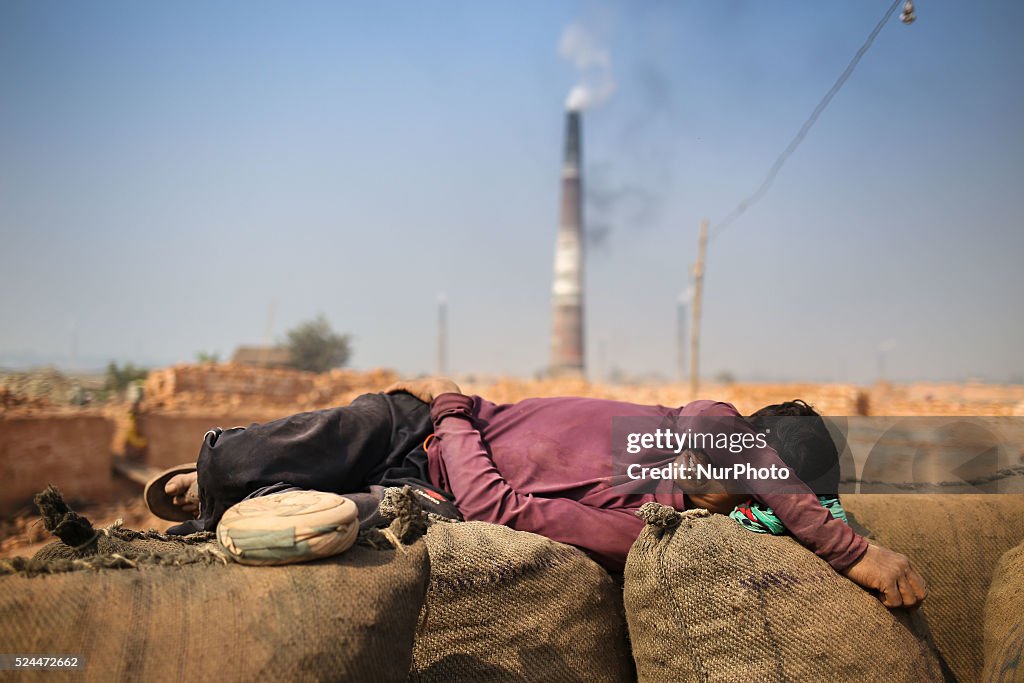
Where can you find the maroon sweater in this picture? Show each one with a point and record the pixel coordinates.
(543, 465)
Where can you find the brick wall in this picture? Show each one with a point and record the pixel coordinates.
(71, 451)
(972, 398)
(234, 388)
(230, 385)
(173, 439)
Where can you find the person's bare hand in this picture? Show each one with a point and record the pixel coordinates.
(889, 573)
(184, 489)
(425, 389)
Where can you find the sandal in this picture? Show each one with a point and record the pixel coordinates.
(159, 502)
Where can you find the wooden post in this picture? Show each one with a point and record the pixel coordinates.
(698, 294)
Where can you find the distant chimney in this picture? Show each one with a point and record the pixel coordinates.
(567, 291)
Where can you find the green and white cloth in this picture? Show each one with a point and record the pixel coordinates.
(761, 519)
(293, 526)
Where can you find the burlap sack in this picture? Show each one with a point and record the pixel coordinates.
(1004, 621)
(81, 546)
(513, 606)
(159, 616)
(954, 541)
(351, 617)
(707, 600)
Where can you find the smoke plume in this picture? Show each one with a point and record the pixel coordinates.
(612, 204)
(582, 49)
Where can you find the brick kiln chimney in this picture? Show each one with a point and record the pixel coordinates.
(567, 290)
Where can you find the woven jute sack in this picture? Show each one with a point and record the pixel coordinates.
(81, 546)
(155, 614)
(955, 542)
(1004, 621)
(707, 600)
(506, 605)
(351, 617)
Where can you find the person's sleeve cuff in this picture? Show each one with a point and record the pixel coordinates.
(847, 559)
(447, 405)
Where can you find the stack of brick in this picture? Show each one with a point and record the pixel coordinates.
(973, 398)
(181, 403)
(38, 388)
(10, 400)
(233, 387)
(832, 399)
(828, 399)
(227, 386)
(338, 387)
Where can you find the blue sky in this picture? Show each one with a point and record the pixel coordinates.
(171, 172)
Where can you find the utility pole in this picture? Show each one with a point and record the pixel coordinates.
(442, 336)
(698, 294)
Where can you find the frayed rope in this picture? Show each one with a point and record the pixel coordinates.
(409, 521)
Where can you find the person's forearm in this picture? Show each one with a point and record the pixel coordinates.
(829, 538)
(802, 514)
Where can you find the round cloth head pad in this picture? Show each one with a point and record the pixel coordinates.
(295, 526)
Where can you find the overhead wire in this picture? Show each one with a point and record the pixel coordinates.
(769, 178)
